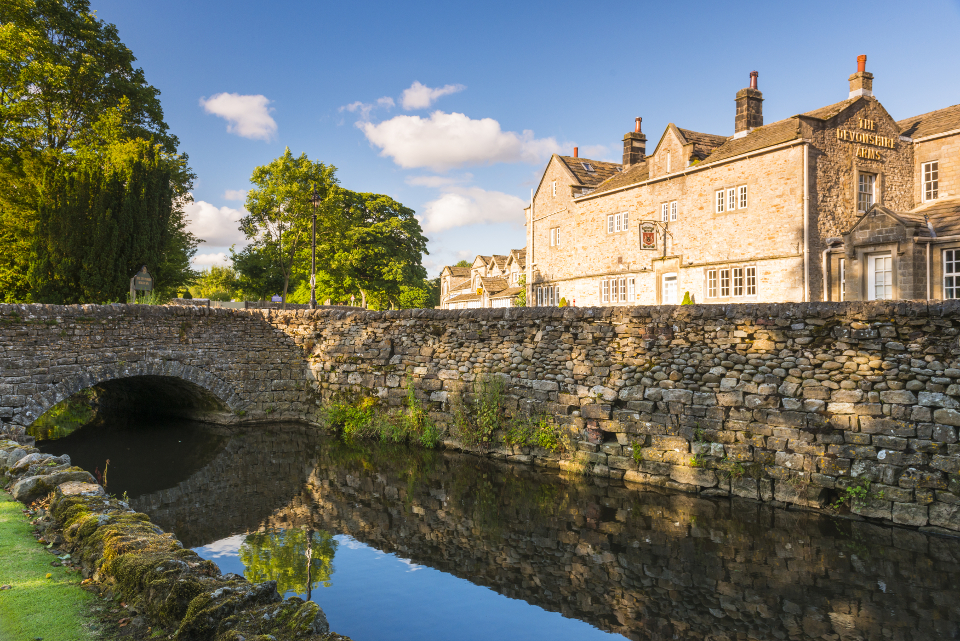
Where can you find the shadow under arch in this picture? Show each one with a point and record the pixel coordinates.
(160, 387)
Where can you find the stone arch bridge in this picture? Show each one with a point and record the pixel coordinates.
(220, 365)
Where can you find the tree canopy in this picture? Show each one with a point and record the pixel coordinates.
(281, 556)
(91, 186)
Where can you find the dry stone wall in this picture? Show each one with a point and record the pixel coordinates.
(791, 403)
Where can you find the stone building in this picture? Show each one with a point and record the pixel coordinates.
(838, 203)
(491, 281)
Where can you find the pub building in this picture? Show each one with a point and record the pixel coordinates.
(839, 203)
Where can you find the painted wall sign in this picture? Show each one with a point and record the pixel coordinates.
(648, 235)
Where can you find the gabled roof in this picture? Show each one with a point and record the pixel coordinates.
(519, 256)
(942, 215)
(765, 136)
(703, 144)
(601, 169)
(635, 174)
(828, 112)
(464, 284)
(457, 271)
(491, 285)
(931, 123)
(462, 298)
(499, 261)
(510, 292)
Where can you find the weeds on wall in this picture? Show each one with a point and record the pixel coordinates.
(539, 431)
(367, 419)
(855, 494)
(475, 422)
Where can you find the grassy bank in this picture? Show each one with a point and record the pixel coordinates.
(35, 606)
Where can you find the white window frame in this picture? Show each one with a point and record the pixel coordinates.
(868, 196)
(750, 280)
(742, 199)
(610, 219)
(711, 284)
(604, 291)
(669, 277)
(930, 177)
(724, 283)
(736, 282)
(886, 282)
(951, 273)
(625, 220)
(554, 188)
(664, 212)
(731, 199)
(622, 282)
(673, 210)
(720, 200)
(631, 289)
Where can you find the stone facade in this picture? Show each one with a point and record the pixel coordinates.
(491, 281)
(786, 403)
(807, 399)
(790, 193)
(215, 364)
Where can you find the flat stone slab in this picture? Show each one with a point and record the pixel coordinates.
(78, 488)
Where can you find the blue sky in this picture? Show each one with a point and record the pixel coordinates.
(456, 106)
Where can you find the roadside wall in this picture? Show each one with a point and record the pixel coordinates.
(790, 403)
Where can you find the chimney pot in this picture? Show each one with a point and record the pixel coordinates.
(575, 154)
(634, 145)
(749, 108)
(861, 83)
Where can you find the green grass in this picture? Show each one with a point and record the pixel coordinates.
(55, 608)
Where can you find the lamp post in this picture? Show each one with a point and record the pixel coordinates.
(315, 201)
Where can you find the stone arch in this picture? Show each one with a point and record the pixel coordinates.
(215, 387)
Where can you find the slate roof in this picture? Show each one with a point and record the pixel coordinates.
(828, 112)
(635, 174)
(458, 271)
(519, 255)
(703, 144)
(493, 284)
(765, 136)
(464, 284)
(944, 215)
(601, 170)
(934, 122)
(508, 293)
(501, 261)
(462, 298)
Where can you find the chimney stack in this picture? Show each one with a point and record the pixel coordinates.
(575, 154)
(749, 108)
(634, 146)
(861, 83)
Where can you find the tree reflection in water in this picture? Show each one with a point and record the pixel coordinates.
(282, 555)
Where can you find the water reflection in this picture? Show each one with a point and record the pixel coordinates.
(644, 564)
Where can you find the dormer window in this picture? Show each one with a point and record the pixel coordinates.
(587, 166)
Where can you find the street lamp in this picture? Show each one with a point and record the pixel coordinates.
(315, 201)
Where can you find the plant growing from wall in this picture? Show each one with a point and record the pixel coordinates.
(540, 431)
(521, 299)
(476, 421)
(854, 494)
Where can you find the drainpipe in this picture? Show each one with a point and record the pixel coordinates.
(928, 271)
(806, 225)
(823, 268)
(530, 258)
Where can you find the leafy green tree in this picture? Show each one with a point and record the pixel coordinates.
(281, 556)
(463, 263)
(77, 119)
(100, 221)
(521, 299)
(280, 210)
(372, 246)
(258, 273)
(217, 279)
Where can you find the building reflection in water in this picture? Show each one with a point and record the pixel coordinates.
(641, 563)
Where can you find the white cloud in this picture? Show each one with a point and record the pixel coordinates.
(598, 152)
(205, 260)
(219, 226)
(436, 182)
(419, 96)
(450, 140)
(229, 546)
(235, 194)
(246, 116)
(461, 206)
(364, 108)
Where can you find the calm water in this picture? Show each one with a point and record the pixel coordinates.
(407, 544)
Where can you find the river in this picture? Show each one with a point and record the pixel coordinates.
(405, 543)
